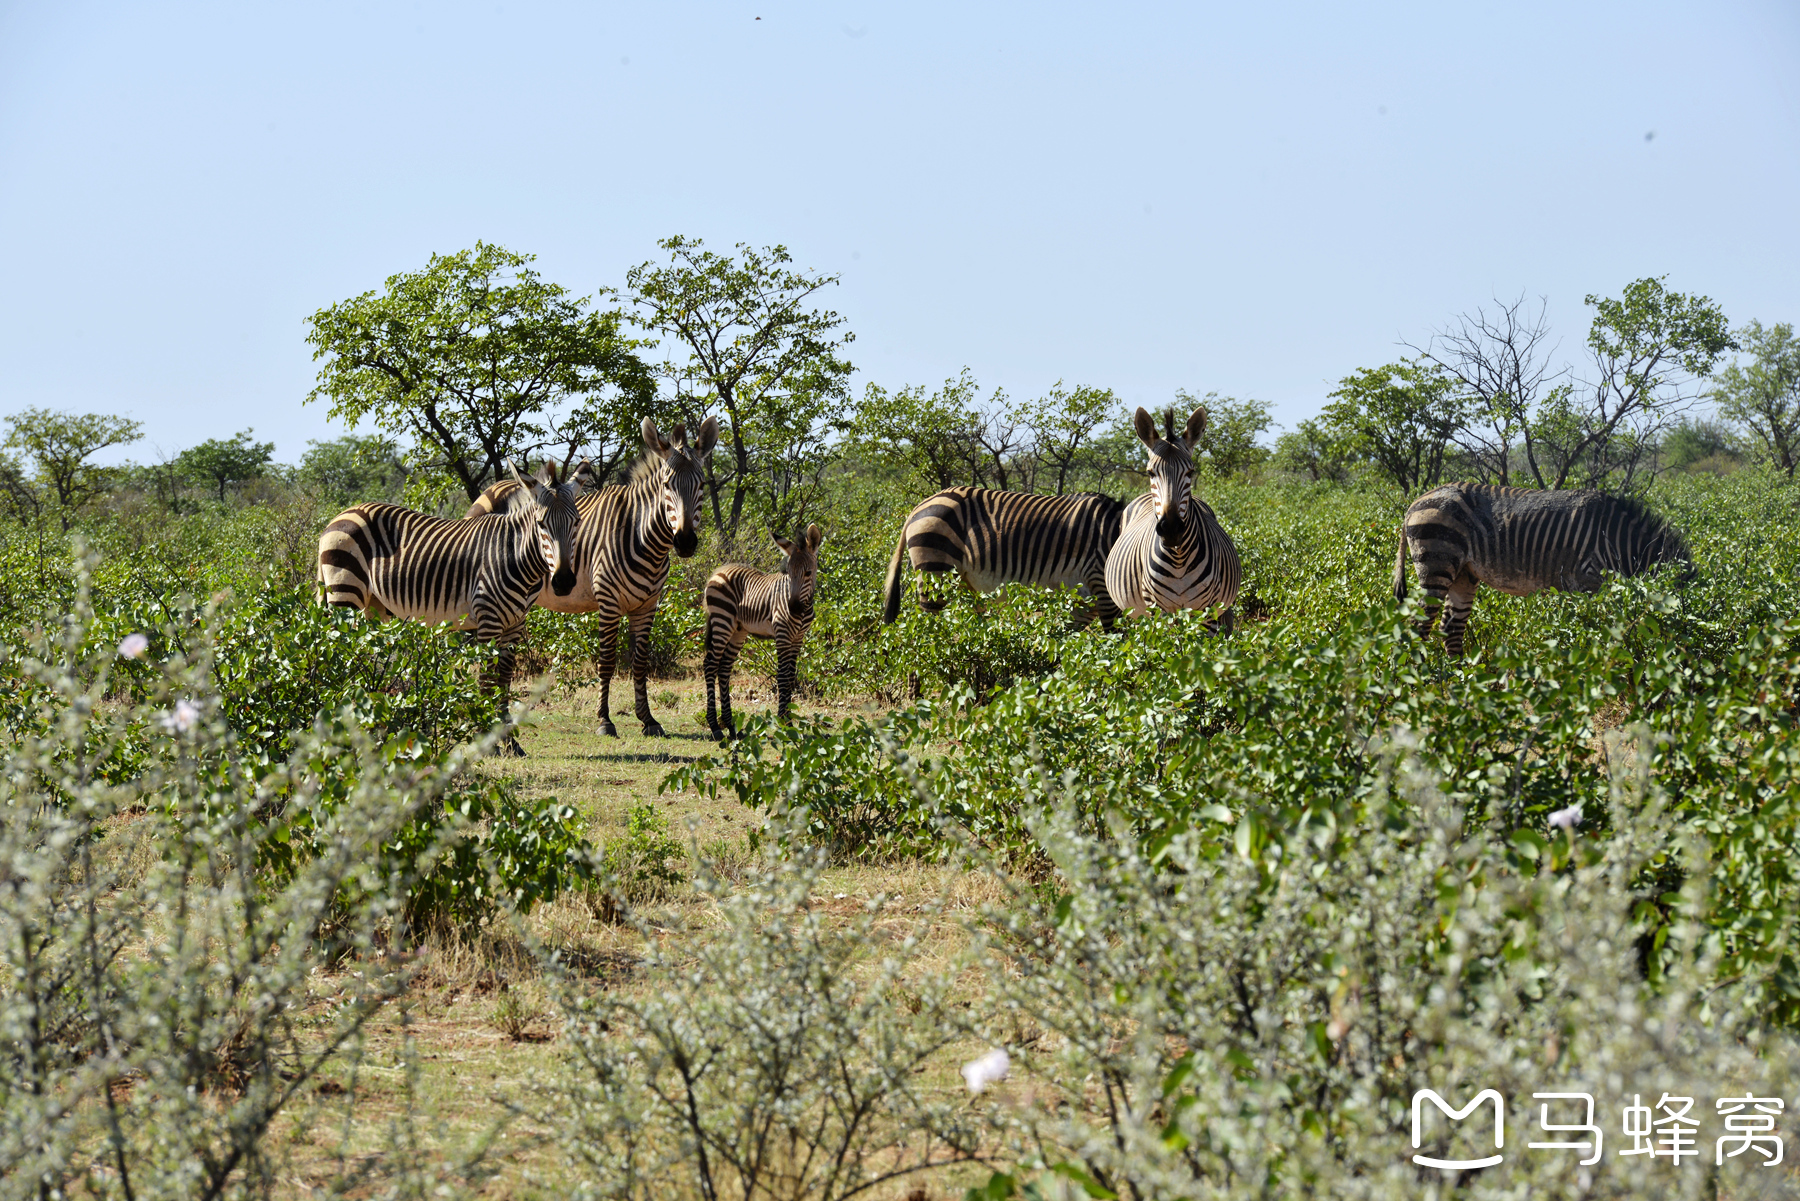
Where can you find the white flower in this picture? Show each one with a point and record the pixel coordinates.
(186, 714)
(989, 1069)
(1568, 818)
(134, 646)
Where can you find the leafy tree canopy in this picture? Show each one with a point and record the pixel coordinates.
(59, 446)
(757, 358)
(1763, 395)
(1229, 441)
(1401, 416)
(221, 462)
(476, 358)
(354, 467)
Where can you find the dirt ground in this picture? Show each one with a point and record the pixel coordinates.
(480, 1026)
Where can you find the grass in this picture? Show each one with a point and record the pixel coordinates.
(477, 1033)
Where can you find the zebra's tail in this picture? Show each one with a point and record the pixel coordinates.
(1400, 568)
(892, 608)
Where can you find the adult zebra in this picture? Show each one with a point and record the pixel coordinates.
(483, 574)
(742, 602)
(1172, 553)
(1520, 541)
(622, 550)
(990, 538)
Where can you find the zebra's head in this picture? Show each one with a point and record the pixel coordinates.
(554, 517)
(1171, 468)
(686, 468)
(802, 566)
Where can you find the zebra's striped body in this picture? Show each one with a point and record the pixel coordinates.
(1520, 541)
(1172, 553)
(482, 575)
(742, 602)
(990, 538)
(621, 551)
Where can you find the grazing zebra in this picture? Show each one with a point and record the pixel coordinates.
(1518, 541)
(622, 550)
(991, 538)
(483, 574)
(744, 602)
(1172, 553)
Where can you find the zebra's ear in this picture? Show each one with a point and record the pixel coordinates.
(653, 439)
(512, 469)
(1146, 428)
(1195, 427)
(547, 474)
(814, 536)
(787, 548)
(707, 439)
(584, 477)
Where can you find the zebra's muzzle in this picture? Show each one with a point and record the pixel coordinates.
(686, 542)
(563, 582)
(1170, 525)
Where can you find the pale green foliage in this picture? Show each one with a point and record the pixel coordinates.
(354, 468)
(647, 862)
(1173, 1048)
(476, 358)
(1763, 395)
(151, 1027)
(771, 1059)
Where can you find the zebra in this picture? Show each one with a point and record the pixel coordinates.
(483, 575)
(1520, 541)
(1172, 553)
(622, 550)
(744, 602)
(990, 538)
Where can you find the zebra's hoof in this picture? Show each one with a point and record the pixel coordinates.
(608, 730)
(511, 749)
(653, 729)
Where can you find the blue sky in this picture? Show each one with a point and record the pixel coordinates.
(1253, 199)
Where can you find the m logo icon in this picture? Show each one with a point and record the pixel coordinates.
(1457, 1115)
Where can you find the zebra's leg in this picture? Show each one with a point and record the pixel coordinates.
(505, 641)
(1456, 618)
(716, 636)
(786, 656)
(728, 654)
(640, 671)
(609, 660)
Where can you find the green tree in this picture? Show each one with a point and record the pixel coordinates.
(221, 462)
(1649, 349)
(769, 368)
(366, 467)
(1763, 395)
(1691, 442)
(1066, 425)
(1313, 450)
(1232, 427)
(1400, 416)
(477, 358)
(932, 434)
(59, 446)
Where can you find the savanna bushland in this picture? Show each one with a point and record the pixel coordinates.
(276, 921)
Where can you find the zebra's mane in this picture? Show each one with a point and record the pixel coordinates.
(1653, 525)
(646, 466)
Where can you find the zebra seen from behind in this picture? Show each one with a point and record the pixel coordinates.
(482, 575)
(622, 550)
(742, 602)
(990, 538)
(1520, 541)
(1172, 553)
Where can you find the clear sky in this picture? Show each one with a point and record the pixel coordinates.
(1255, 199)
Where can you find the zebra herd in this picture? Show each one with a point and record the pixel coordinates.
(574, 547)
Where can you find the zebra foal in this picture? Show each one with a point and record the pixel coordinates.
(1520, 541)
(1172, 553)
(482, 575)
(990, 538)
(742, 602)
(622, 546)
